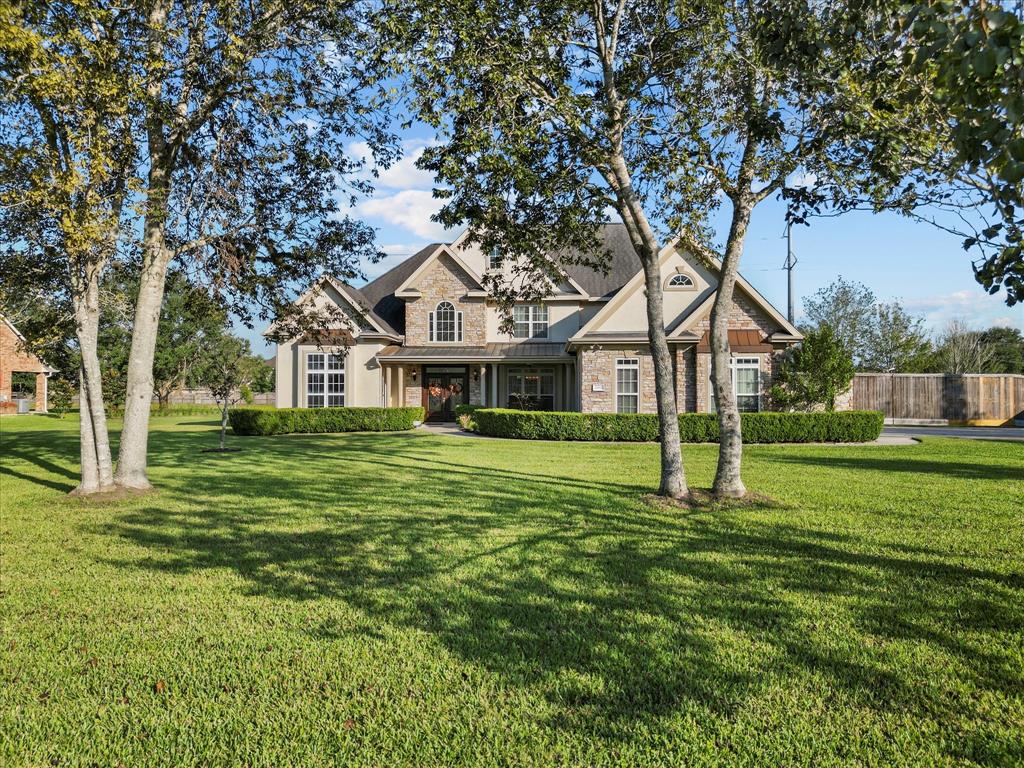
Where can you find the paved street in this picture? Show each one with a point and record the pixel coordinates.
(966, 433)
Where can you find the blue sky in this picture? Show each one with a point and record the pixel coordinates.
(923, 267)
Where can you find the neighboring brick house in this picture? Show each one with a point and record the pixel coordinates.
(15, 358)
(427, 332)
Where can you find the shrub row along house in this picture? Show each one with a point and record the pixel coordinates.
(427, 333)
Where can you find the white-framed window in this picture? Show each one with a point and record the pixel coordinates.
(530, 321)
(445, 323)
(627, 385)
(679, 281)
(325, 380)
(531, 389)
(494, 259)
(746, 384)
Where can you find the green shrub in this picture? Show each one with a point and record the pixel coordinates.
(825, 427)
(280, 421)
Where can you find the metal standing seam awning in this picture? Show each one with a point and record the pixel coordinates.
(525, 352)
(742, 341)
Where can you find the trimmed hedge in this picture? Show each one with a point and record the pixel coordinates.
(257, 420)
(819, 427)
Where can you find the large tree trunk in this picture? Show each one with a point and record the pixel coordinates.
(90, 477)
(673, 477)
(728, 480)
(97, 467)
(132, 458)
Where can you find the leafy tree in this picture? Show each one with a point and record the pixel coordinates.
(962, 350)
(228, 368)
(848, 308)
(67, 147)
(973, 55)
(550, 114)
(896, 341)
(264, 379)
(243, 111)
(949, 73)
(60, 394)
(1007, 348)
(813, 373)
(188, 318)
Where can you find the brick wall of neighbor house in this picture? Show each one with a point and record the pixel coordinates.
(597, 367)
(14, 359)
(445, 280)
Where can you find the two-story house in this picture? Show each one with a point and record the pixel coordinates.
(427, 333)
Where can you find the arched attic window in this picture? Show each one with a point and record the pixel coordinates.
(679, 282)
(445, 323)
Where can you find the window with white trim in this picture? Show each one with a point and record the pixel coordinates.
(494, 259)
(530, 321)
(746, 385)
(445, 323)
(627, 385)
(325, 380)
(679, 280)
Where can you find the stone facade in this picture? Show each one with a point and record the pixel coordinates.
(597, 375)
(14, 359)
(445, 280)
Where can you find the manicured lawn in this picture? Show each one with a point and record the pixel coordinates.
(418, 600)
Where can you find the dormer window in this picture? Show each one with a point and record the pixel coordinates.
(679, 281)
(494, 259)
(445, 323)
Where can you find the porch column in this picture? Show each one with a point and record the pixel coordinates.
(386, 371)
(494, 386)
(401, 386)
(483, 384)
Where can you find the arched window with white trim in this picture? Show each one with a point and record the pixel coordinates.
(445, 323)
(679, 282)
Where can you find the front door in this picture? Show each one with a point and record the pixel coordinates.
(444, 388)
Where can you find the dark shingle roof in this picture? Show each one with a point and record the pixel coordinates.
(623, 265)
(379, 294)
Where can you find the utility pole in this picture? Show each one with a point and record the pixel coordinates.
(790, 263)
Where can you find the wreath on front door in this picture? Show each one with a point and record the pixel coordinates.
(435, 390)
(456, 388)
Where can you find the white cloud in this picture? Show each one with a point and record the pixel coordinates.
(400, 175)
(396, 254)
(802, 179)
(976, 308)
(410, 209)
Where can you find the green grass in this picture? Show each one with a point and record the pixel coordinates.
(423, 600)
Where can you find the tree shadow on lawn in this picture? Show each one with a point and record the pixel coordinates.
(616, 610)
(960, 469)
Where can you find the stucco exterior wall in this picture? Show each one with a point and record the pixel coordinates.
(563, 323)
(628, 311)
(445, 280)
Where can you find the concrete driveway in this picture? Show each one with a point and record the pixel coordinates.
(966, 433)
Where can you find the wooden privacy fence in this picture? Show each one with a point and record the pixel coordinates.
(989, 398)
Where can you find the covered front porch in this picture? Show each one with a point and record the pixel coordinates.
(530, 376)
